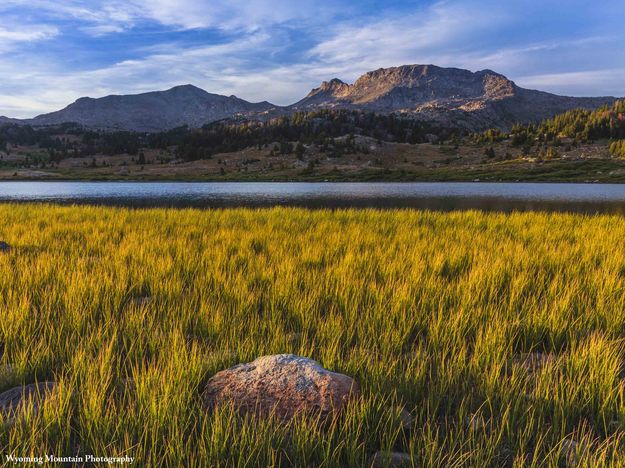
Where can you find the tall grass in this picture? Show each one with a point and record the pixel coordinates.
(131, 312)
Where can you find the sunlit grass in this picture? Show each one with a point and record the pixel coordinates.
(131, 312)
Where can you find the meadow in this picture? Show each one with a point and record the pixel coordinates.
(501, 334)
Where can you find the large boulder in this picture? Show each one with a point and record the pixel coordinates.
(284, 385)
(12, 401)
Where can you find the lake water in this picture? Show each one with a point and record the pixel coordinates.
(588, 198)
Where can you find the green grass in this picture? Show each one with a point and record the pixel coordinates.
(430, 312)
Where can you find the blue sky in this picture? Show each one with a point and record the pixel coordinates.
(54, 51)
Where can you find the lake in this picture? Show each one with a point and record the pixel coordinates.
(587, 198)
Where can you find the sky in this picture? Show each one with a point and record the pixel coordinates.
(55, 51)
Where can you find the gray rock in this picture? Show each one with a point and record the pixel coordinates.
(390, 459)
(284, 385)
(13, 401)
(4, 247)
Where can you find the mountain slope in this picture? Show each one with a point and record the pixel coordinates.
(450, 96)
(152, 112)
(474, 100)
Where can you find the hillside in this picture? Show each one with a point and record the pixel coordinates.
(326, 144)
(152, 112)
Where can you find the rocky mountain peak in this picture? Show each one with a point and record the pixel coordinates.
(334, 87)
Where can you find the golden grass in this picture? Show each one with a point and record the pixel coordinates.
(430, 312)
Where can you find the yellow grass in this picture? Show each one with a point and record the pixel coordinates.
(435, 313)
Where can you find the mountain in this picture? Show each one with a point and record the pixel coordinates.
(7, 120)
(473, 100)
(451, 96)
(152, 112)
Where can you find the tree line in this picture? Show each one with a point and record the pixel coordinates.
(320, 127)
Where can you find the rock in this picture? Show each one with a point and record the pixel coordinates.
(533, 362)
(390, 459)
(12, 401)
(449, 96)
(285, 384)
(4, 247)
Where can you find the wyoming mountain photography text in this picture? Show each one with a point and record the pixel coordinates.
(299, 233)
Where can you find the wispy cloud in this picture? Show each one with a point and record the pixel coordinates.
(27, 34)
(279, 49)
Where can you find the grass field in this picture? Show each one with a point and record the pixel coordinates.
(502, 335)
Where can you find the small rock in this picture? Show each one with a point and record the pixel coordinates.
(390, 459)
(533, 362)
(11, 401)
(4, 247)
(282, 384)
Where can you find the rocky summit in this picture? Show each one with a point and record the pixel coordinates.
(474, 100)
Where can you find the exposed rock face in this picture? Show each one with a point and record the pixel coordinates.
(450, 95)
(12, 401)
(283, 384)
(152, 112)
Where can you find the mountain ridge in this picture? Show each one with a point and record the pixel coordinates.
(152, 111)
(475, 100)
(452, 96)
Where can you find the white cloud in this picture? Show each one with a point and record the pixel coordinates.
(27, 33)
(115, 15)
(415, 38)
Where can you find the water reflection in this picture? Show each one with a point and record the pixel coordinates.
(586, 198)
